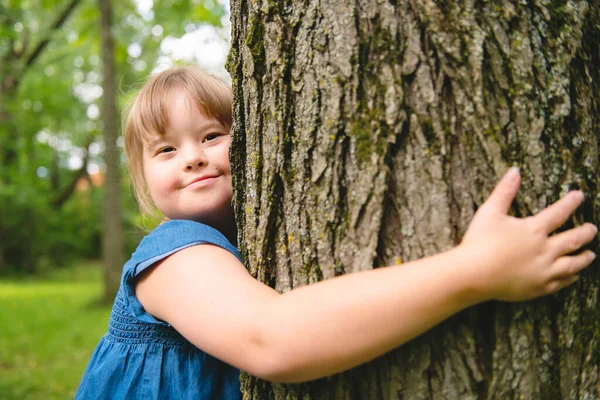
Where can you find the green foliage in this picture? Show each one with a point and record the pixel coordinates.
(174, 15)
(44, 120)
(48, 330)
(38, 237)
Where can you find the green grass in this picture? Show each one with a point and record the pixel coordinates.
(48, 329)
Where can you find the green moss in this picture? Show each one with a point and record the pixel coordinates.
(362, 132)
(559, 15)
(312, 273)
(272, 5)
(229, 63)
(255, 37)
(434, 145)
(373, 52)
(493, 133)
(362, 136)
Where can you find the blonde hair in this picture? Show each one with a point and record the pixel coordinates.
(148, 115)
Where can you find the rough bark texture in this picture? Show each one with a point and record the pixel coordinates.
(112, 235)
(367, 133)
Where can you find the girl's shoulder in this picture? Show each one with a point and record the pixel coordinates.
(179, 232)
(176, 233)
(172, 236)
(165, 240)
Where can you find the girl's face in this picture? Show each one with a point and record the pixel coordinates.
(187, 170)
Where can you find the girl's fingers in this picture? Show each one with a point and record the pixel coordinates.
(557, 285)
(567, 266)
(505, 191)
(555, 215)
(572, 240)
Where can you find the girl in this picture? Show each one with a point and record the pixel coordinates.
(188, 316)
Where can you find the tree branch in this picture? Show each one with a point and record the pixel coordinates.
(59, 200)
(55, 26)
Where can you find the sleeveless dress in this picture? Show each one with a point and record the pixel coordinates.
(144, 358)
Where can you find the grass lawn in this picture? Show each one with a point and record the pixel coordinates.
(48, 329)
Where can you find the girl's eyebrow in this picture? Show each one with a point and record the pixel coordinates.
(155, 142)
(211, 125)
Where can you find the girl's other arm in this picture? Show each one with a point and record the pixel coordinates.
(321, 329)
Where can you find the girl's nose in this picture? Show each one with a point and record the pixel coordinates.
(195, 159)
(190, 165)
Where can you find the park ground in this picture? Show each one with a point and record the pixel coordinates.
(49, 327)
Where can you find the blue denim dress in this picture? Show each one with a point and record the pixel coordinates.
(144, 358)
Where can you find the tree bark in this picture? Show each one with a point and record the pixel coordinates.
(367, 133)
(112, 235)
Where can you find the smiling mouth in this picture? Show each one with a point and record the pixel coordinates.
(202, 182)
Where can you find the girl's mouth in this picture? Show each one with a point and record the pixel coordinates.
(201, 181)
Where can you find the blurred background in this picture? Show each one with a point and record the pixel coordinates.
(67, 67)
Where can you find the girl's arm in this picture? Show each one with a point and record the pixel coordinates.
(330, 326)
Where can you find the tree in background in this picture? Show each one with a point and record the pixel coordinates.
(367, 133)
(21, 49)
(112, 235)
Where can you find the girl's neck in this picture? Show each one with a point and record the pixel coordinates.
(226, 225)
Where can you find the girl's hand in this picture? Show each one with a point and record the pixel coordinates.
(516, 258)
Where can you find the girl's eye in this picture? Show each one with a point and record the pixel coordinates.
(165, 150)
(210, 136)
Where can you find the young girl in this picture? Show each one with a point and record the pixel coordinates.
(188, 316)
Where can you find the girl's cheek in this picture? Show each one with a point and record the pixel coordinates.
(167, 184)
(162, 181)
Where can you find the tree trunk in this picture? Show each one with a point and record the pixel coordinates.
(112, 236)
(367, 133)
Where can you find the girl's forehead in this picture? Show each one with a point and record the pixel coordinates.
(173, 108)
(181, 105)
(157, 112)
